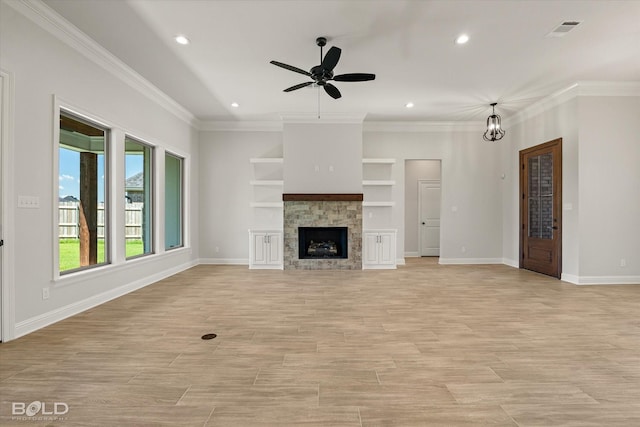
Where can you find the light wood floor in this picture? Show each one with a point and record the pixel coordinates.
(422, 345)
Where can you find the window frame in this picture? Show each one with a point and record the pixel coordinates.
(182, 175)
(152, 196)
(89, 120)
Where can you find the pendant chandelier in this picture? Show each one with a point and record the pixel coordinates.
(494, 126)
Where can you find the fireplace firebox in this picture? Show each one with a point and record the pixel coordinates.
(322, 242)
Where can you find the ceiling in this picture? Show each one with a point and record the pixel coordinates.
(408, 44)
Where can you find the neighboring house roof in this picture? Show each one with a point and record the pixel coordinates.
(67, 199)
(135, 182)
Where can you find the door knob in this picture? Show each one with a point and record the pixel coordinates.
(423, 223)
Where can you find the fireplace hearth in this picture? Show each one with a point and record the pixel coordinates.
(322, 242)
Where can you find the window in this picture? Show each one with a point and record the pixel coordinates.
(83, 219)
(139, 198)
(173, 201)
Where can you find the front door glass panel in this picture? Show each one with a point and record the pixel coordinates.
(540, 213)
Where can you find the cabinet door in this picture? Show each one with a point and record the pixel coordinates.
(273, 244)
(260, 250)
(370, 253)
(386, 249)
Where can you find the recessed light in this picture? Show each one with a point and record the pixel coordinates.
(180, 39)
(462, 39)
(235, 104)
(409, 105)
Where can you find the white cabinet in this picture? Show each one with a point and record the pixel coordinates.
(265, 249)
(379, 249)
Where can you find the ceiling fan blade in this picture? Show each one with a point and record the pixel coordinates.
(354, 77)
(332, 91)
(298, 86)
(291, 68)
(331, 58)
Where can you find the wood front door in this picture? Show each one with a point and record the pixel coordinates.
(541, 208)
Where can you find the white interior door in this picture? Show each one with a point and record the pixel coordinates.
(429, 217)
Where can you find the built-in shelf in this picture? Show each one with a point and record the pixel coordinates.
(267, 191)
(378, 182)
(379, 161)
(377, 168)
(266, 160)
(267, 182)
(266, 204)
(378, 204)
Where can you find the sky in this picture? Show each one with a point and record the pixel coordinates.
(69, 170)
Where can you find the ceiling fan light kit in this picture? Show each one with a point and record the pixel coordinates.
(322, 74)
(494, 130)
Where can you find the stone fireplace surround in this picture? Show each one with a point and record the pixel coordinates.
(322, 210)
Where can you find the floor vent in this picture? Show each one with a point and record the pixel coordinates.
(209, 336)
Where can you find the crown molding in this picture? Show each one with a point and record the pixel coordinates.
(240, 126)
(581, 88)
(416, 126)
(314, 118)
(50, 21)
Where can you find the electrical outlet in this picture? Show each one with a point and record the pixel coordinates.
(28, 202)
(623, 262)
(45, 293)
(463, 249)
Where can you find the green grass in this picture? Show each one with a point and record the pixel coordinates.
(70, 252)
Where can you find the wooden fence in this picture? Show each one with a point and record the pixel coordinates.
(69, 220)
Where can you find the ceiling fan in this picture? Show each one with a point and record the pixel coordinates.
(323, 73)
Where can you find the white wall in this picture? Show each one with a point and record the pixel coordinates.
(43, 67)
(471, 188)
(225, 193)
(471, 170)
(609, 179)
(322, 158)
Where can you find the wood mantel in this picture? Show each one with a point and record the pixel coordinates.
(323, 197)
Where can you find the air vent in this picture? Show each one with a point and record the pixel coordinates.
(562, 29)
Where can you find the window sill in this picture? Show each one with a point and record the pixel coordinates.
(97, 272)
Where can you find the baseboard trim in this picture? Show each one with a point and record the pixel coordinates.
(571, 278)
(411, 255)
(43, 320)
(462, 261)
(511, 262)
(378, 267)
(608, 280)
(224, 261)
